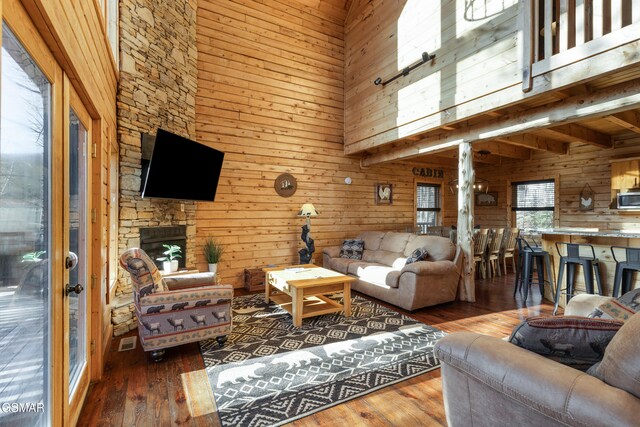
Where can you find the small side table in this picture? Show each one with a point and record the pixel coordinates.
(254, 279)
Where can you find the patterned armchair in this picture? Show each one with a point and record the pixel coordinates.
(176, 310)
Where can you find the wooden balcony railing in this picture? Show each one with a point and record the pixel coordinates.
(557, 33)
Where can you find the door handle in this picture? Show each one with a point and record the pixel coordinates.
(77, 289)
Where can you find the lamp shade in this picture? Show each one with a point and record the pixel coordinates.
(308, 210)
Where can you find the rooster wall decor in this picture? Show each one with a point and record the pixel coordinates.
(384, 194)
(587, 198)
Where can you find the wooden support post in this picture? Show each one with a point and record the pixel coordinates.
(466, 177)
(527, 42)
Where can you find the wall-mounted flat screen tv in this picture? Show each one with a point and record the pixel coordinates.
(179, 168)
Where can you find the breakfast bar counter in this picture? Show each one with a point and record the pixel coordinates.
(601, 240)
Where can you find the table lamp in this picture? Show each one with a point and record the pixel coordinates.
(307, 210)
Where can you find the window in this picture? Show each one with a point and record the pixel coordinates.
(427, 205)
(533, 203)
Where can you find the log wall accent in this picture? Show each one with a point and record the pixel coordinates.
(581, 165)
(270, 95)
(466, 178)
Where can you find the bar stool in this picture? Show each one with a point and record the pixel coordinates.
(625, 269)
(572, 259)
(528, 253)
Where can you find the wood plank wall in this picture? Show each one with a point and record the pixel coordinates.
(270, 95)
(583, 164)
(476, 48)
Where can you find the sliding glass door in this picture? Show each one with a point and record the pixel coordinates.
(45, 139)
(25, 238)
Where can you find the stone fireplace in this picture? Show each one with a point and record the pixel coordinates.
(157, 89)
(152, 240)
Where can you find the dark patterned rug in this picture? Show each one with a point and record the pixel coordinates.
(270, 373)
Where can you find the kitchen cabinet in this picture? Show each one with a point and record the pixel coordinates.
(625, 174)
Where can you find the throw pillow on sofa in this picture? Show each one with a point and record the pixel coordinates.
(619, 309)
(419, 254)
(574, 341)
(352, 249)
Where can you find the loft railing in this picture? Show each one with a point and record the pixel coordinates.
(557, 33)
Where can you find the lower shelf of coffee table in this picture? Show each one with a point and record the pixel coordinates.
(316, 305)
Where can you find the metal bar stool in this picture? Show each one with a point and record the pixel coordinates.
(528, 253)
(625, 269)
(573, 258)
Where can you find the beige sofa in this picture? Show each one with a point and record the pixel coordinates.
(382, 272)
(487, 381)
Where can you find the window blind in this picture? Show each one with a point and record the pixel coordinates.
(533, 195)
(427, 197)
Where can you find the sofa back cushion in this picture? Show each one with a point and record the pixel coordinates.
(439, 248)
(395, 242)
(620, 366)
(371, 239)
(387, 258)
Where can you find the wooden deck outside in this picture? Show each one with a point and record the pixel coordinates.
(22, 371)
(136, 392)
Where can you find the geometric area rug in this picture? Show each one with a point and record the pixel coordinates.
(270, 373)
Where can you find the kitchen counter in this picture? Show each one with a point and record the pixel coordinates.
(590, 232)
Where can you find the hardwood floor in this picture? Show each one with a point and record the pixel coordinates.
(136, 392)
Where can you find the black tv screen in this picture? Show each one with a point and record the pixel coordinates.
(180, 168)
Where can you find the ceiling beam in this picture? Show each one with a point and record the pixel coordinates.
(575, 133)
(627, 119)
(611, 100)
(536, 142)
(489, 159)
(503, 150)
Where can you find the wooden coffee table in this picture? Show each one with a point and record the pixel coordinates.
(301, 290)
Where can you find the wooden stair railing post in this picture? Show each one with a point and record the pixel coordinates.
(526, 42)
(466, 177)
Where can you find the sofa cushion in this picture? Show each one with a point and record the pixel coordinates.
(371, 239)
(574, 341)
(394, 242)
(419, 254)
(440, 248)
(355, 266)
(352, 249)
(341, 265)
(377, 274)
(621, 308)
(620, 366)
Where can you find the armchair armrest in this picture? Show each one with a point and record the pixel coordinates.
(430, 268)
(332, 251)
(192, 280)
(541, 385)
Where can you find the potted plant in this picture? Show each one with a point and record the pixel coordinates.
(33, 256)
(213, 252)
(170, 258)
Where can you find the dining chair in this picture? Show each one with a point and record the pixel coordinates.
(480, 242)
(509, 248)
(493, 252)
